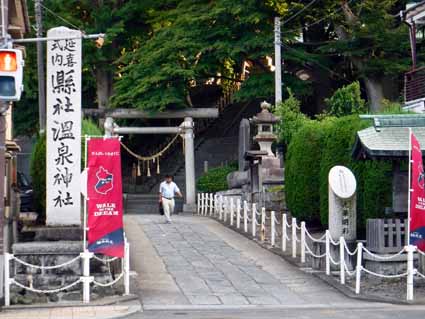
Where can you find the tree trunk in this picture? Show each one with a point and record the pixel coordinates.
(103, 87)
(375, 93)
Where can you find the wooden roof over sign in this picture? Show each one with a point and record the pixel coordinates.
(389, 137)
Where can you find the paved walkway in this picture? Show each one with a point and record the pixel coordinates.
(196, 262)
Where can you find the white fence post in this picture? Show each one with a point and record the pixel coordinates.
(263, 224)
(328, 253)
(225, 209)
(220, 207)
(342, 260)
(238, 213)
(359, 266)
(284, 232)
(86, 279)
(245, 216)
(126, 267)
(203, 204)
(273, 228)
(254, 219)
(212, 204)
(294, 237)
(215, 204)
(410, 271)
(232, 211)
(7, 258)
(199, 204)
(303, 243)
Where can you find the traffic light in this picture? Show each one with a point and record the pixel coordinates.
(11, 74)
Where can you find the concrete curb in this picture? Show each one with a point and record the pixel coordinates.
(345, 290)
(107, 301)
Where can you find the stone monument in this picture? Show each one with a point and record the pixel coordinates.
(342, 204)
(259, 170)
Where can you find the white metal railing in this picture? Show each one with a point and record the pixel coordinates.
(86, 278)
(299, 237)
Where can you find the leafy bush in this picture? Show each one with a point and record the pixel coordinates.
(346, 100)
(291, 118)
(38, 173)
(302, 171)
(373, 177)
(215, 179)
(314, 150)
(38, 164)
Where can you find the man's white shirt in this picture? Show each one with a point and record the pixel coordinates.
(168, 190)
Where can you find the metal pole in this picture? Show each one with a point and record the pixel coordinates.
(40, 68)
(3, 108)
(409, 193)
(86, 139)
(278, 61)
(6, 279)
(45, 39)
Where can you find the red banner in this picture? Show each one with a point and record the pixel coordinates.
(417, 199)
(104, 192)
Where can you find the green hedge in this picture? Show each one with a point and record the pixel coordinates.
(215, 179)
(302, 172)
(38, 164)
(313, 151)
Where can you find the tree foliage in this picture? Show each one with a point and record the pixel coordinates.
(346, 100)
(215, 179)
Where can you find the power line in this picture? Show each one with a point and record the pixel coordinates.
(299, 12)
(322, 19)
(61, 18)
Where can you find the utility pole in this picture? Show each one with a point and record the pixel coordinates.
(278, 61)
(40, 67)
(3, 109)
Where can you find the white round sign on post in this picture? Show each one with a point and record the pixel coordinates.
(342, 182)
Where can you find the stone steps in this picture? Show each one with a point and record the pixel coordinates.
(146, 204)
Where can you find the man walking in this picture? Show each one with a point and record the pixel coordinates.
(167, 190)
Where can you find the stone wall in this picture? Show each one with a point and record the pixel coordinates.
(55, 253)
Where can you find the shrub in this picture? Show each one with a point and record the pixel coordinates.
(346, 100)
(215, 179)
(291, 118)
(303, 170)
(38, 173)
(38, 164)
(373, 177)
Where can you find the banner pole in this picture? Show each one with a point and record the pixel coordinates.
(85, 197)
(409, 187)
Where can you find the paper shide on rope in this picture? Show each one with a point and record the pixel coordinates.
(144, 162)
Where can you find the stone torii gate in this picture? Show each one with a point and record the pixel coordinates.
(186, 128)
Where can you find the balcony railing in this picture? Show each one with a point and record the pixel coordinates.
(414, 85)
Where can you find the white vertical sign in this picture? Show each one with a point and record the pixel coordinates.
(63, 127)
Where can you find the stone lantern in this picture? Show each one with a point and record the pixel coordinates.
(264, 122)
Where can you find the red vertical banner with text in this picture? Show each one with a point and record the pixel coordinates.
(104, 191)
(417, 193)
